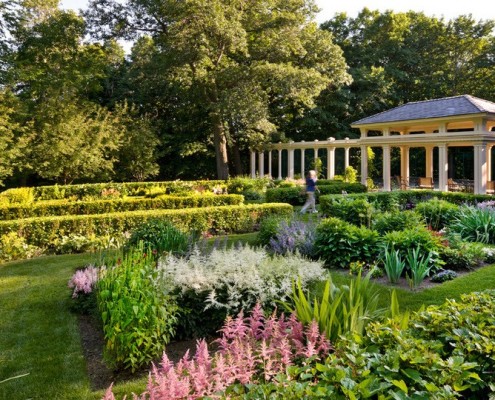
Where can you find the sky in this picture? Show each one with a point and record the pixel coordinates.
(480, 9)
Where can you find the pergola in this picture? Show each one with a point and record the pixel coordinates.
(458, 121)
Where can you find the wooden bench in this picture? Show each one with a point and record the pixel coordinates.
(425, 183)
(454, 186)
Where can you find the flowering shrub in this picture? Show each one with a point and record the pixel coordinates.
(251, 350)
(212, 285)
(83, 281)
(292, 236)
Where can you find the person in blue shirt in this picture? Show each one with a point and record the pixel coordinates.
(310, 192)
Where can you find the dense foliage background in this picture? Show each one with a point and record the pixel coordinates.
(208, 79)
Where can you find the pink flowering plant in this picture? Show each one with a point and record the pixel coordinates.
(83, 283)
(251, 350)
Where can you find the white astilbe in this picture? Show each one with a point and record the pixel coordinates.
(238, 278)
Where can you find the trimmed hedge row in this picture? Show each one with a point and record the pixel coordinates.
(243, 218)
(297, 195)
(109, 189)
(57, 208)
(389, 201)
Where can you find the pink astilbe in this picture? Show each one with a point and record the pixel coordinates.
(251, 350)
(83, 281)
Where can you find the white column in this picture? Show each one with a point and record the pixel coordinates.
(280, 164)
(270, 164)
(443, 168)
(429, 161)
(386, 168)
(489, 162)
(480, 170)
(346, 159)
(253, 164)
(303, 174)
(404, 162)
(290, 171)
(331, 163)
(364, 164)
(261, 164)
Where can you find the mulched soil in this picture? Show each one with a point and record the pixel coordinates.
(100, 375)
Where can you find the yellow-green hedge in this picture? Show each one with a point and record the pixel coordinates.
(42, 231)
(58, 208)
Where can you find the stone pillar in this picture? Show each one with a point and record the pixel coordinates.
(280, 164)
(364, 164)
(331, 163)
(303, 174)
(261, 164)
(480, 168)
(386, 168)
(290, 170)
(429, 161)
(346, 159)
(253, 164)
(443, 168)
(270, 164)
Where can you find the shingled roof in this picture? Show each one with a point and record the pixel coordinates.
(437, 108)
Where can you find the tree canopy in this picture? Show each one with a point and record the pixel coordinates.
(207, 80)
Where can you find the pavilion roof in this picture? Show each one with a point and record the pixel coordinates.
(437, 108)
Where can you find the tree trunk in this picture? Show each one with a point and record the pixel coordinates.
(220, 142)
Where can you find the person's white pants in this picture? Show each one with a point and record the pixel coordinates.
(310, 202)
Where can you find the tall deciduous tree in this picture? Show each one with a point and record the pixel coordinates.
(229, 53)
(12, 138)
(396, 58)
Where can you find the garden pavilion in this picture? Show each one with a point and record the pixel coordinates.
(440, 124)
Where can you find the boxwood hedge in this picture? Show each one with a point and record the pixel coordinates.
(297, 196)
(64, 207)
(41, 231)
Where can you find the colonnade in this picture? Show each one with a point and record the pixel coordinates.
(258, 158)
(482, 160)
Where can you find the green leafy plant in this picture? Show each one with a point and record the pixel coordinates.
(356, 211)
(460, 255)
(15, 247)
(161, 236)
(393, 264)
(437, 213)
(138, 317)
(419, 266)
(339, 243)
(396, 221)
(269, 227)
(337, 309)
(475, 224)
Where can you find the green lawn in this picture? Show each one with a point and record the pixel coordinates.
(40, 337)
